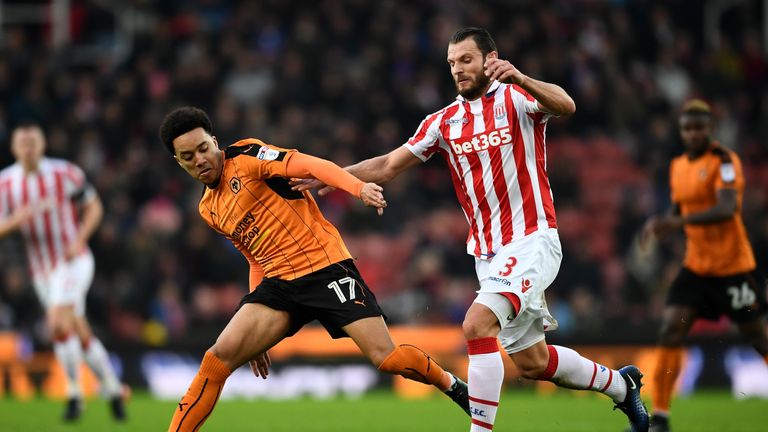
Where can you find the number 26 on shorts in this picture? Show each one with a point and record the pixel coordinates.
(511, 262)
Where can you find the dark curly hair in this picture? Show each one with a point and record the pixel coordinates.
(180, 121)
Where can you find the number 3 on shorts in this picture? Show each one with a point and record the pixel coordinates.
(336, 286)
(511, 262)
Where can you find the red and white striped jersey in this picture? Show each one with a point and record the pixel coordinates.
(57, 186)
(495, 148)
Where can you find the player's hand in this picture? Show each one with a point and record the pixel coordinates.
(301, 185)
(372, 195)
(260, 365)
(504, 71)
(658, 226)
(24, 213)
(74, 250)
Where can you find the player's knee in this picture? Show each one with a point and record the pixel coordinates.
(480, 325)
(532, 368)
(671, 335)
(227, 349)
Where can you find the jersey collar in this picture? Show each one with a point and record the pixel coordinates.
(491, 90)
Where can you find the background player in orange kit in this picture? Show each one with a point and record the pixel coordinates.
(300, 269)
(718, 275)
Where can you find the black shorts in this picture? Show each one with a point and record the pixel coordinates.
(741, 296)
(335, 295)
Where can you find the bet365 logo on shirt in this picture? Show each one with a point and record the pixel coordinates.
(482, 141)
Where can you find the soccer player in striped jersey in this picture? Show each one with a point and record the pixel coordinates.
(718, 276)
(492, 138)
(57, 211)
(300, 269)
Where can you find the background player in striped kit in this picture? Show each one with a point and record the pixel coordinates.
(492, 138)
(718, 276)
(42, 197)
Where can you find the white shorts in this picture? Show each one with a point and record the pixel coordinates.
(67, 284)
(523, 270)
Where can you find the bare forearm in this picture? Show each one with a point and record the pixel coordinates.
(371, 170)
(713, 215)
(91, 219)
(550, 96)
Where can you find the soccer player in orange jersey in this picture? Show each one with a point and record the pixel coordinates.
(300, 269)
(718, 275)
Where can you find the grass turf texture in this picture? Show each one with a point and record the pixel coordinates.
(520, 412)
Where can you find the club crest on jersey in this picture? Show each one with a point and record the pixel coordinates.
(266, 153)
(235, 185)
(455, 121)
(499, 111)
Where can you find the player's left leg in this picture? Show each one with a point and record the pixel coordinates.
(372, 337)
(567, 368)
(97, 358)
(754, 333)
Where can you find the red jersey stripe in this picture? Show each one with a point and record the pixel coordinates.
(47, 220)
(523, 177)
(541, 170)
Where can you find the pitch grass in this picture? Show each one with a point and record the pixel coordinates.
(380, 412)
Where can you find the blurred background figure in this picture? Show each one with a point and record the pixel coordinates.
(56, 210)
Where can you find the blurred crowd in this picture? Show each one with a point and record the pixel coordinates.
(351, 79)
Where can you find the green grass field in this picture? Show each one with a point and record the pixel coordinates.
(380, 412)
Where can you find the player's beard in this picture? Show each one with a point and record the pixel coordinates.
(473, 92)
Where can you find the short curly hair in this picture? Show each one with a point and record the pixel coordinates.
(180, 121)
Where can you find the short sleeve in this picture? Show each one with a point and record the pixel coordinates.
(730, 174)
(530, 105)
(76, 186)
(425, 142)
(263, 161)
(4, 199)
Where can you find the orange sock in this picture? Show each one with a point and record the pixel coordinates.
(197, 404)
(668, 364)
(415, 364)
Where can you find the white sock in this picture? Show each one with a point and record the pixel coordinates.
(98, 360)
(568, 369)
(70, 355)
(486, 374)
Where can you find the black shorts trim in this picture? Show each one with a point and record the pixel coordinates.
(335, 296)
(741, 296)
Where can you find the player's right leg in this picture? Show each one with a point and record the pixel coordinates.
(68, 352)
(372, 337)
(676, 321)
(254, 329)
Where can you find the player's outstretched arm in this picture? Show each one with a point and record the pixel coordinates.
(379, 169)
(551, 97)
(305, 166)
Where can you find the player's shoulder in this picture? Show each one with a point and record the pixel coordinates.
(724, 154)
(448, 109)
(255, 148)
(56, 164)
(10, 170)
